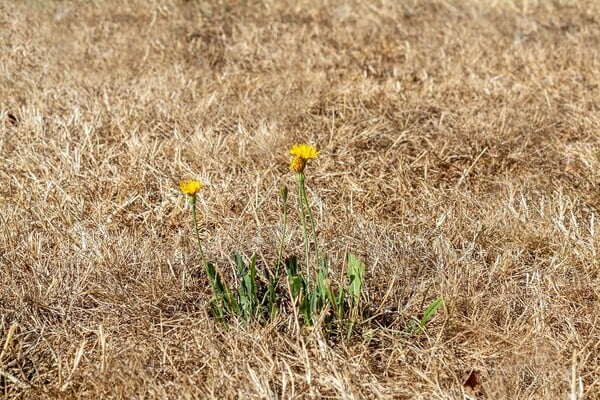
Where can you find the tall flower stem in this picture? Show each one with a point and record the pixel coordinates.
(193, 202)
(312, 221)
(302, 194)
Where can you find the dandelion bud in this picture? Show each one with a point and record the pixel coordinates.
(283, 191)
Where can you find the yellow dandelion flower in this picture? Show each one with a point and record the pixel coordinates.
(190, 187)
(302, 153)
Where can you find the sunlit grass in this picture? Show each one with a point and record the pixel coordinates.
(457, 166)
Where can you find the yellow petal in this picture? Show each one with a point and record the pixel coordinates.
(304, 151)
(190, 187)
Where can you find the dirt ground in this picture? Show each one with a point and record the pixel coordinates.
(460, 157)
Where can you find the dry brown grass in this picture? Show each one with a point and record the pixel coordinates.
(460, 157)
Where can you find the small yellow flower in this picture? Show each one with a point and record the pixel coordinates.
(302, 153)
(190, 187)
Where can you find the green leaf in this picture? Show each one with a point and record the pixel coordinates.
(270, 296)
(247, 291)
(429, 313)
(323, 283)
(356, 274)
(221, 294)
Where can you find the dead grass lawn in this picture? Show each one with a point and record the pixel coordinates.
(460, 157)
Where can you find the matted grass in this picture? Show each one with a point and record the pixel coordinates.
(459, 158)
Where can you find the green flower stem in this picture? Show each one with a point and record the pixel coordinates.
(304, 199)
(227, 293)
(301, 190)
(193, 203)
(312, 225)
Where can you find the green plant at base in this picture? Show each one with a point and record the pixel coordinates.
(222, 302)
(314, 299)
(270, 298)
(298, 287)
(247, 291)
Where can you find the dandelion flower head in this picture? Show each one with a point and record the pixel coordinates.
(301, 153)
(304, 151)
(190, 187)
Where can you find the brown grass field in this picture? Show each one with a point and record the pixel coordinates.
(460, 157)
